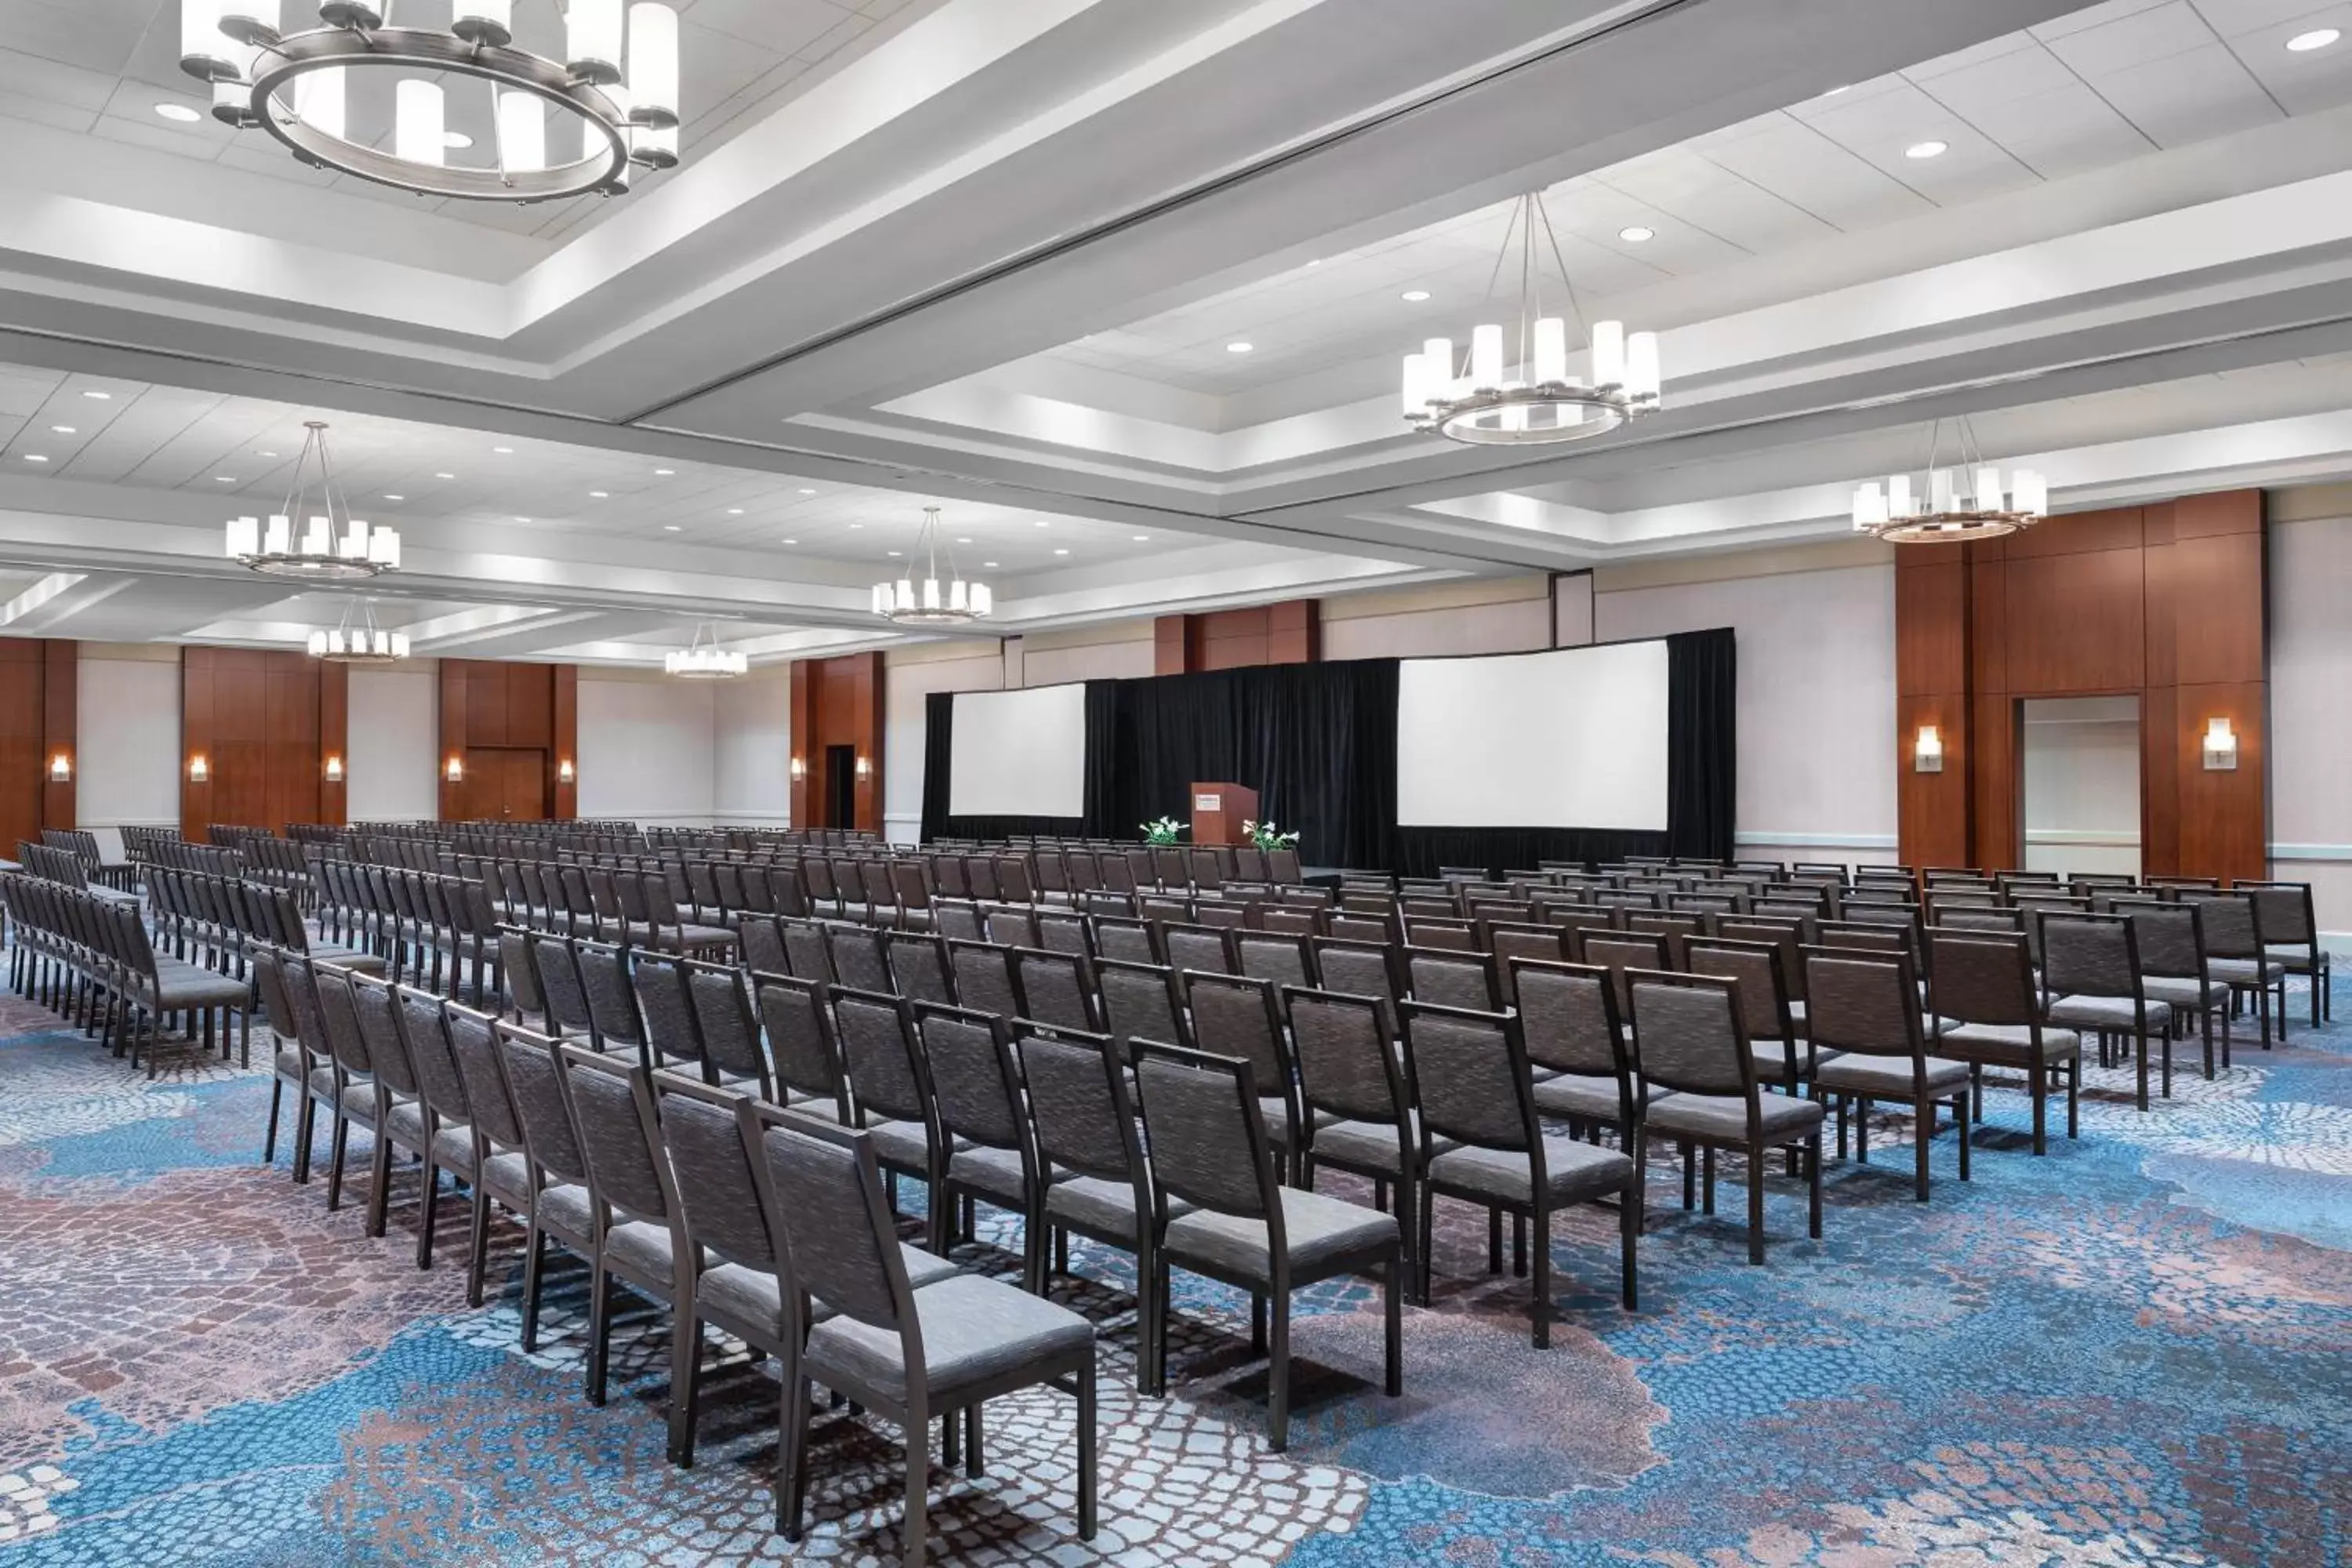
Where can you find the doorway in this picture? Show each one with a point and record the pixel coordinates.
(506, 782)
(841, 786)
(2082, 805)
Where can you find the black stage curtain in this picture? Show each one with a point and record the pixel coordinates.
(939, 741)
(1318, 743)
(1702, 746)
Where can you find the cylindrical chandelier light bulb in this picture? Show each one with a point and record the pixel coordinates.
(1552, 351)
(1643, 377)
(1870, 506)
(956, 599)
(653, 63)
(319, 100)
(904, 594)
(880, 599)
(317, 538)
(400, 645)
(982, 600)
(279, 538)
(1940, 490)
(244, 536)
(522, 132)
(1986, 497)
(416, 121)
(318, 644)
(2030, 492)
(1607, 354)
(1486, 358)
(591, 37)
(1898, 496)
(1415, 386)
(383, 547)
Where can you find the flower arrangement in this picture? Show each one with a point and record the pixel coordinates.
(1266, 835)
(1166, 830)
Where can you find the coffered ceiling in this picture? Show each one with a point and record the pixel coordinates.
(1123, 286)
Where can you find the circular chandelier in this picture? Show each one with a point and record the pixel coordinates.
(934, 600)
(1953, 505)
(333, 544)
(704, 660)
(364, 643)
(299, 87)
(1516, 391)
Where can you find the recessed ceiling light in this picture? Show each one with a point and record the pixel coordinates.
(390, 497)
(179, 113)
(808, 492)
(445, 475)
(522, 519)
(600, 495)
(2317, 38)
(61, 429)
(1061, 552)
(101, 396)
(1637, 234)
(458, 139)
(1835, 90)
(792, 542)
(963, 542)
(1142, 538)
(669, 527)
(503, 451)
(265, 453)
(1414, 296)
(1927, 149)
(988, 564)
(1240, 348)
(858, 525)
(1043, 523)
(734, 511)
(896, 553)
(35, 457)
(224, 479)
(664, 473)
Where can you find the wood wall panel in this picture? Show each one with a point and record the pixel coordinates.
(837, 703)
(2164, 603)
(1290, 632)
(263, 725)
(564, 741)
(523, 719)
(60, 705)
(1169, 642)
(22, 764)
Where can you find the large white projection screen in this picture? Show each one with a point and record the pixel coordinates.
(1571, 739)
(1019, 753)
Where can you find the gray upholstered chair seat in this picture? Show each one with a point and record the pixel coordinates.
(2292, 957)
(2244, 971)
(507, 1177)
(1104, 1207)
(350, 958)
(973, 1330)
(567, 1206)
(904, 1144)
(1889, 1078)
(405, 1122)
(1722, 1117)
(1582, 1096)
(2186, 991)
(288, 1062)
(992, 1173)
(358, 1094)
(688, 938)
(1771, 1058)
(453, 1148)
(1370, 1145)
(1272, 1110)
(179, 984)
(642, 1245)
(2107, 1013)
(1572, 1171)
(824, 1108)
(1320, 1230)
(2007, 1045)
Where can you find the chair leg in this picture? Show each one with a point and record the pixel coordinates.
(976, 1467)
(1961, 1115)
(378, 1184)
(1629, 1237)
(1257, 1323)
(1756, 1205)
(1813, 1198)
(1393, 1289)
(600, 1327)
(919, 1485)
(1706, 1179)
(336, 1142)
(428, 1210)
(306, 1110)
(533, 1265)
(2038, 1085)
(1518, 1246)
(1542, 1281)
(1494, 1241)
(1086, 1450)
(1924, 1111)
(1690, 1176)
(793, 1462)
(685, 1385)
(1277, 1378)
(270, 1137)
(477, 1250)
(2074, 1098)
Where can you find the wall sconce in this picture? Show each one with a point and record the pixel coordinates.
(199, 771)
(455, 771)
(61, 769)
(334, 770)
(2220, 747)
(800, 770)
(563, 773)
(865, 767)
(1927, 751)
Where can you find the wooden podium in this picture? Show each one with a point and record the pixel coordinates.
(1219, 810)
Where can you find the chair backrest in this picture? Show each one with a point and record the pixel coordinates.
(1207, 1137)
(1346, 1067)
(801, 1040)
(560, 983)
(1282, 957)
(2230, 923)
(881, 1055)
(973, 1078)
(1469, 1076)
(1863, 1002)
(718, 1192)
(1689, 1026)
(1206, 950)
(918, 966)
(1568, 1018)
(1055, 988)
(807, 949)
(611, 1102)
(983, 977)
(375, 1010)
(821, 1190)
(2283, 911)
(340, 1017)
(611, 999)
(2089, 956)
(1078, 1104)
(2170, 937)
(1981, 977)
(1139, 1002)
(1760, 986)
(1619, 950)
(724, 1023)
(1064, 931)
(672, 1031)
(1452, 979)
(1124, 938)
(473, 1043)
(857, 956)
(548, 1131)
(423, 1020)
(1234, 1016)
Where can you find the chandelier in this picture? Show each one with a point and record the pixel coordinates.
(304, 86)
(934, 601)
(704, 660)
(364, 643)
(333, 544)
(1517, 390)
(1942, 510)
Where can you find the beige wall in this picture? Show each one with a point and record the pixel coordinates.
(2310, 695)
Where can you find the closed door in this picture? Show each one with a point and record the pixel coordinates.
(506, 782)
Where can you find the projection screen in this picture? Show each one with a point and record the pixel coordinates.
(1575, 738)
(1019, 753)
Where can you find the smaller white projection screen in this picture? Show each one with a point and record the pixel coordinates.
(1571, 739)
(1019, 753)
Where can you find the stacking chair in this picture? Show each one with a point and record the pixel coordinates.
(2290, 935)
(725, 1025)
(906, 1354)
(1140, 1003)
(1283, 957)
(672, 1033)
(1125, 938)
(1470, 1077)
(1209, 1150)
(1198, 949)
(1785, 1058)
(291, 1063)
(1235, 1017)
(889, 1086)
(2174, 969)
(1357, 1114)
(857, 957)
(560, 1206)
(562, 989)
(808, 952)
(401, 1122)
(633, 1198)
(1585, 1069)
(2235, 952)
(449, 1143)
(918, 967)
(1452, 979)
(615, 1024)
(1695, 1044)
(1865, 1008)
(1981, 991)
(1055, 988)
(348, 1074)
(2091, 980)
(990, 1152)
(1360, 969)
(800, 1045)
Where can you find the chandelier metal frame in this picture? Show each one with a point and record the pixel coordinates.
(931, 600)
(334, 546)
(364, 643)
(704, 660)
(1941, 512)
(259, 83)
(1475, 400)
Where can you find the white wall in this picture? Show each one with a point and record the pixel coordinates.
(1492, 615)
(2310, 674)
(127, 739)
(909, 676)
(2082, 784)
(393, 762)
(1816, 710)
(753, 748)
(648, 747)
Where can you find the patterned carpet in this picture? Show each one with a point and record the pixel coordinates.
(2133, 1352)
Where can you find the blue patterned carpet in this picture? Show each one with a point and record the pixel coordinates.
(2132, 1351)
